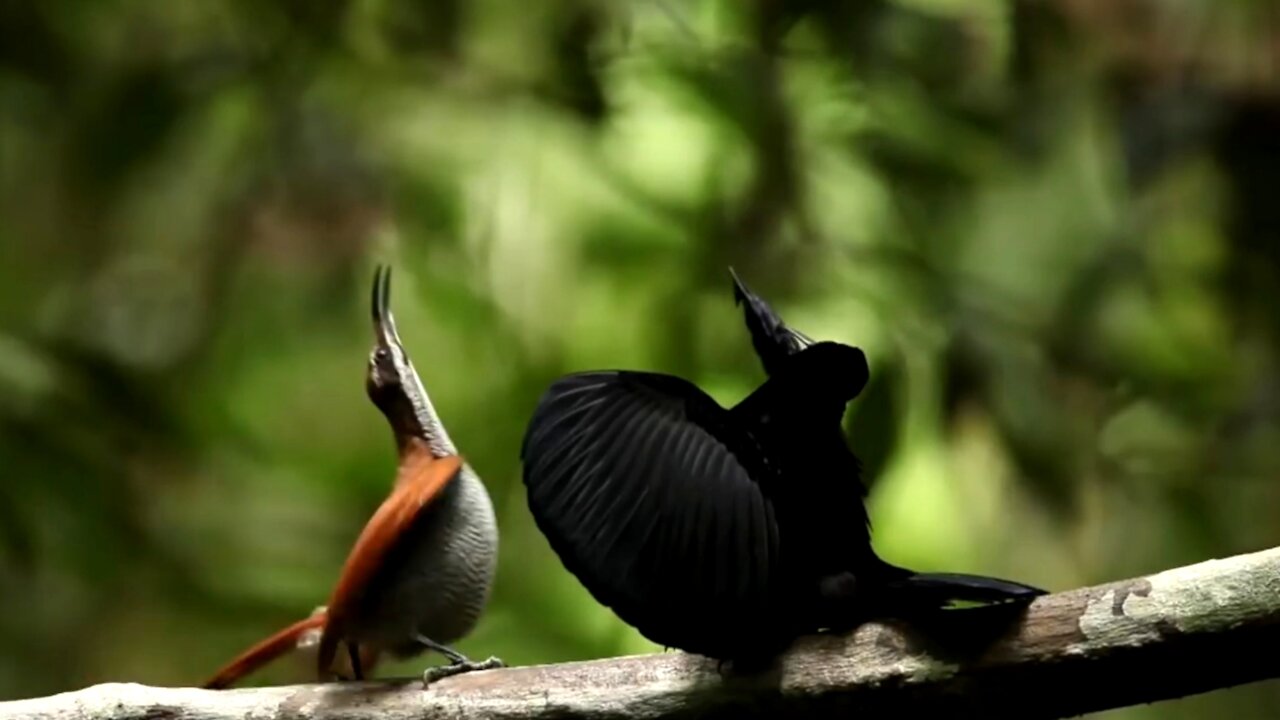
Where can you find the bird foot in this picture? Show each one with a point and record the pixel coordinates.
(441, 672)
(744, 665)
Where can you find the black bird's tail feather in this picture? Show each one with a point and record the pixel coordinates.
(883, 590)
(944, 588)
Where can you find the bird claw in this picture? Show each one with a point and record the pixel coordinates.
(441, 672)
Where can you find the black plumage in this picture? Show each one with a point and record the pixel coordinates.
(772, 339)
(722, 532)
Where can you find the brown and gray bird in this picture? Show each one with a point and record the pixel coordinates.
(419, 575)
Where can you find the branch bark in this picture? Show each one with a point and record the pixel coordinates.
(1180, 632)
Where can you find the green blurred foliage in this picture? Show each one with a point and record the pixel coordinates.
(1049, 224)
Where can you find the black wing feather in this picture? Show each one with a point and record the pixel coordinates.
(643, 488)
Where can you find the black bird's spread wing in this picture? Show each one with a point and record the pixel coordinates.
(649, 495)
(772, 339)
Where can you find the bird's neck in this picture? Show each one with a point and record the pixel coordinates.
(780, 405)
(431, 429)
(426, 422)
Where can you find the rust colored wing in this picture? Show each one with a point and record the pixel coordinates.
(420, 479)
(264, 652)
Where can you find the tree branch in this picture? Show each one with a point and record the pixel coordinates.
(1207, 626)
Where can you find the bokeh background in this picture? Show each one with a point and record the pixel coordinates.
(1051, 224)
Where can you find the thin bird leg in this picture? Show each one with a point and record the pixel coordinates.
(354, 653)
(458, 663)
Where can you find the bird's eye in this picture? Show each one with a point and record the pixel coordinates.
(382, 354)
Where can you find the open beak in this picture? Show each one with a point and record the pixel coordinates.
(384, 325)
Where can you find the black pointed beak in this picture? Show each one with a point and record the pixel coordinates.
(391, 382)
(740, 291)
(384, 324)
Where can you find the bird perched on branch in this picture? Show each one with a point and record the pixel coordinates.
(724, 532)
(419, 575)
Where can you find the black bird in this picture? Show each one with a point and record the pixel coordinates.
(724, 532)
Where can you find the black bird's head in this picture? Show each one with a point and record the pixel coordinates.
(826, 370)
(391, 381)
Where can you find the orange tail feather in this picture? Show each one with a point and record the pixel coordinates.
(265, 651)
